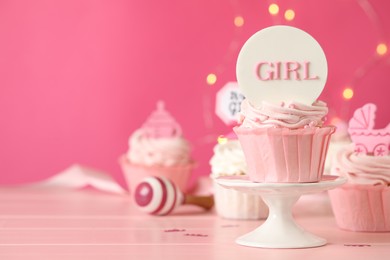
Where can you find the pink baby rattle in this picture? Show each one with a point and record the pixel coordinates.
(159, 196)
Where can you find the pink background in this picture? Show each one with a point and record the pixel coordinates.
(77, 77)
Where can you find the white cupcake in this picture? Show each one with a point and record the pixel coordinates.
(229, 160)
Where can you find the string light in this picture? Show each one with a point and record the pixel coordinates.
(348, 93)
(381, 49)
(211, 79)
(374, 60)
(273, 9)
(238, 21)
(289, 15)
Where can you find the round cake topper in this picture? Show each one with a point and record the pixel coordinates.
(281, 64)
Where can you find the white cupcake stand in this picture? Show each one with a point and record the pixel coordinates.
(280, 229)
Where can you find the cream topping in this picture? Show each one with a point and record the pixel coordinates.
(292, 115)
(228, 159)
(362, 169)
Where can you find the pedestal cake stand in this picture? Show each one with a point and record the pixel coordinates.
(280, 229)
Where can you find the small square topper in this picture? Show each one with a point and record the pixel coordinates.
(281, 64)
(367, 140)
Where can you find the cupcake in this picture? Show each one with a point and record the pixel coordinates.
(158, 149)
(228, 160)
(284, 143)
(338, 141)
(363, 203)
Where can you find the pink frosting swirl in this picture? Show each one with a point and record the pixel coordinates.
(292, 115)
(362, 169)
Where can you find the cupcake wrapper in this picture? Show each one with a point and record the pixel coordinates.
(233, 204)
(135, 173)
(361, 207)
(285, 155)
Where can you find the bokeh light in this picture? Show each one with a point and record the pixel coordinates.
(289, 15)
(238, 21)
(222, 140)
(273, 9)
(335, 120)
(381, 49)
(348, 93)
(211, 79)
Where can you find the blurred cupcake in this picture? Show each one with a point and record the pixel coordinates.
(284, 143)
(229, 160)
(363, 203)
(158, 149)
(339, 140)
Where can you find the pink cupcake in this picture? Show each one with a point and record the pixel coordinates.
(286, 143)
(363, 203)
(158, 149)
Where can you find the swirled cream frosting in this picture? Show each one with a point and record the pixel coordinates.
(288, 115)
(362, 169)
(228, 159)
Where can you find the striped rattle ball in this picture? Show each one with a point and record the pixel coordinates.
(158, 196)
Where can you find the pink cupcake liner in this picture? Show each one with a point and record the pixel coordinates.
(361, 207)
(135, 173)
(285, 155)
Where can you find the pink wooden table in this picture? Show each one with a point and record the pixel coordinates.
(48, 223)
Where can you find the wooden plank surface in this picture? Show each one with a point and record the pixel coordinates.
(37, 223)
